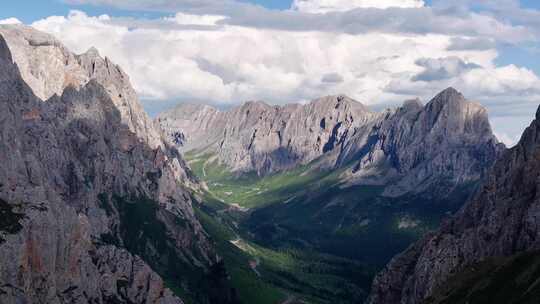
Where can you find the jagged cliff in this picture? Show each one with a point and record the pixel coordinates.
(412, 148)
(501, 220)
(264, 138)
(95, 203)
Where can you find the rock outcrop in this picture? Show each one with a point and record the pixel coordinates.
(96, 203)
(446, 143)
(501, 220)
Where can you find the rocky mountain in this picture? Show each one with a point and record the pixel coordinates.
(475, 256)
(264, 138)
(95, 206)
(412, 148)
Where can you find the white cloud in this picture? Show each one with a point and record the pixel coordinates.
(188, 19)
(325, 6)
(348, 16)
(504, 80)
(10, 21)
(506, 139)
(235, 63)
(442, 68)
(204, 58)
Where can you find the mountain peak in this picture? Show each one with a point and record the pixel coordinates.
(451, 111)
(92, 52)
(340, 102)
(449, 95)
(450, 90)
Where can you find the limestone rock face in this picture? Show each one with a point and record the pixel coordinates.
(80, 163)
(49, 68)
(263, 138)
(446, 143)
(499, 221)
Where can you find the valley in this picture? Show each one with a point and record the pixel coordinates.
(309, 235)
(309, 202)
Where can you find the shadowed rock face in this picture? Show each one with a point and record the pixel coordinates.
(76, 155)
(499, 221)
(413, 148)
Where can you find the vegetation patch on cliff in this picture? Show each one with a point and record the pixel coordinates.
(10, 223)
(509, 280)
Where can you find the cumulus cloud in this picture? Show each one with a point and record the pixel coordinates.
(10, 21)
(325, 6)
(160, 5)
(225, 52)
(332, 78)
(233, 63)
(344, 16)
(188, 19)
(471, 44)
(442, 68)
(198, 57)
(507, 140)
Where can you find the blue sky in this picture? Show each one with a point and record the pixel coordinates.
(273, 4)
(29, 11)
(32, 10)
(282, 57)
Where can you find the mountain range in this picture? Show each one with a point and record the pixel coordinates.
(257, 204)
(409, 149)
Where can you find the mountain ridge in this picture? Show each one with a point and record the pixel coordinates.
(335, 131)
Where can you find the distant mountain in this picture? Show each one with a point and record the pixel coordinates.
(488, 252)
(95, 206)
(411, 149)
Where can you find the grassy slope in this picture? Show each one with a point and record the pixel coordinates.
(251, 191)
(142, 232)
(249, 287)
(510, 280)
(305, 210)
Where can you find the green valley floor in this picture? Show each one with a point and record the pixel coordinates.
(303, 237)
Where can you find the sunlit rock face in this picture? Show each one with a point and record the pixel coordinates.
(413, 148)
(49, 68)
(80, 162)
(501, 220)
